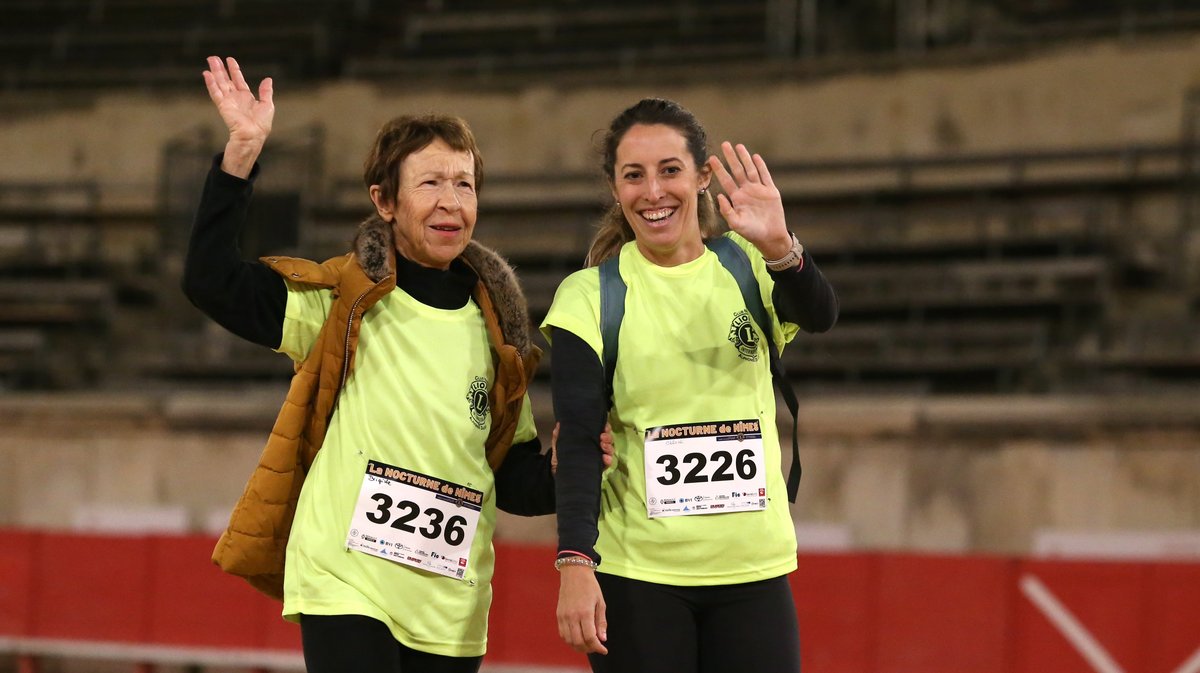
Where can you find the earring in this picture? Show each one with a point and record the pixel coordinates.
(703, 191)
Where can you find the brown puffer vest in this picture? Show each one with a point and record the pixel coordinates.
(254, 544)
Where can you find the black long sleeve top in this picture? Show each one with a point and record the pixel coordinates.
(250, 300)
(802, 296)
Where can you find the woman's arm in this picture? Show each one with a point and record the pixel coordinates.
(245, 298)
(581, 405)
(525, 481)
(803, 296)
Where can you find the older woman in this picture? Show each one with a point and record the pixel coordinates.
(407, 422)
(678, 559)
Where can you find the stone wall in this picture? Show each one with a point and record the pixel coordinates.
(955, 475)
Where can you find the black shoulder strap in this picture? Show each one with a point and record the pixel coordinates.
(612, 312)
(735, 261)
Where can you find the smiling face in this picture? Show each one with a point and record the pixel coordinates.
(433, 212)
(656, 182)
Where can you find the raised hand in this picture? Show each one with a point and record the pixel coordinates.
(247, 117)
(751, 203)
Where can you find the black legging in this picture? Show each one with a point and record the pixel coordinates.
(656, 628)
(357, 644)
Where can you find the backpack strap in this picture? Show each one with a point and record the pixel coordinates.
(612, 312)
(735, 261)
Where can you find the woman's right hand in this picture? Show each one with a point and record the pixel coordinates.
(582, 623)
(247, 117)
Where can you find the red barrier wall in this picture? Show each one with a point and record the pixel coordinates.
(16, 582)
(859, 613)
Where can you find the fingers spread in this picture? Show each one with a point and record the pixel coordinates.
(726, 208)
(723, 177)
(763, 173)
(235, 71)
(735, 163)
(214, 90)
(747, 163)
(266, 91)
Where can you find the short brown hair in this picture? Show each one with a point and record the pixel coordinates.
(408, 134)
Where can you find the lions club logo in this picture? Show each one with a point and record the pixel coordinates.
(743, 337)
(477, 400)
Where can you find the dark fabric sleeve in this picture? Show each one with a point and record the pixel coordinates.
(524, 482)
(804, 297)
(581, 406)
(246, 298)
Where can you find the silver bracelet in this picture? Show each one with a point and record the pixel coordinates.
(792, 258)
(575, 561)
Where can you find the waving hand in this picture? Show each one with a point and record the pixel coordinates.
(247, 117)
(751, 204)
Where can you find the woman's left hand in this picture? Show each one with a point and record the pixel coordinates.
(751, 204)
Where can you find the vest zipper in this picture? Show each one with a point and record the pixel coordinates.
(346, 342)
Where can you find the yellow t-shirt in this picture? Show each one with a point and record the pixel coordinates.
(407, 404)
(681, 361)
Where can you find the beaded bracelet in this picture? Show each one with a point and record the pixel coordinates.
(575, 561)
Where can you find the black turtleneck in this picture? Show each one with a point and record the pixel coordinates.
(440, 288)
(250, 300)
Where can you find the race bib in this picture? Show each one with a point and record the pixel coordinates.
(415, 519)
(705, 468)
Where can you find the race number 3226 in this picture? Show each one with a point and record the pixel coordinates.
(705, 468)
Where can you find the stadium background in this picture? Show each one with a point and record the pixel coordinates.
(1004, 193)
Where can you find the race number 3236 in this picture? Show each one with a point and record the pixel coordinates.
(415, 519)
(705, 468)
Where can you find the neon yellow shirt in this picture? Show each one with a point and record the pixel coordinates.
(407, 404)
(679, 362)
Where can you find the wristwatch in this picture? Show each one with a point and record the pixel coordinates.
(792, 258)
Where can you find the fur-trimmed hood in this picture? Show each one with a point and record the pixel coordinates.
(374, 247)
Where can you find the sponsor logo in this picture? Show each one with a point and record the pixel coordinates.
(462, 562)
(368, 538)
(668, 501)
(414, 559)
(762, 492)
(477, 399)
(717, 506)
(743, 337)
